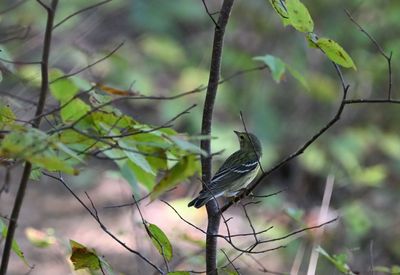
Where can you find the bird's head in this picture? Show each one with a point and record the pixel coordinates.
(249, 142)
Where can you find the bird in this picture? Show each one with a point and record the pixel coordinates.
(238, 170)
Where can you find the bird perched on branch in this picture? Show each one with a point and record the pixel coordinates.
(235, 173)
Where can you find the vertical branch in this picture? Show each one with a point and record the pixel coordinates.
(39, 110)
(215, 68)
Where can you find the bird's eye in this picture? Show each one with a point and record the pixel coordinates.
(242, 137)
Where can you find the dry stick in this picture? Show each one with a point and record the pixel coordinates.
(39, 109)
(215, 69)
(101, 224)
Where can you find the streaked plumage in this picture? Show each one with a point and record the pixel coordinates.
(235, 173)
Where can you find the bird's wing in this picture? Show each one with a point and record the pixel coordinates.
(232, 169)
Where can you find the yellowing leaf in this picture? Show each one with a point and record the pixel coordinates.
(182, 170)
(112, 91)
(299, 16)
(160, 241)
(7, 116)
(35, 146)
(82, 257)
(335, 53)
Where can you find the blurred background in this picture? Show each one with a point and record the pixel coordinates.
(166, 51)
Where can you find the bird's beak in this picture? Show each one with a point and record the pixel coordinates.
(236, 132)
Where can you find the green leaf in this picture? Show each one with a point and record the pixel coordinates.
(179, 273)
(370, 176)
(137, 158)
(35, 146)
(67, 151)
(298, 76)
(74, 110)
(129, 175)
(275, 64)
(339, 261)
(179, 172)
(357, 220)
(160, 241)
(187, 146)
(36, 173)
(7, 116)
(14, 246)
(299, 16)
(143, 177)
(335, 52)
(82, 257)
(278, 68)
(63, 89)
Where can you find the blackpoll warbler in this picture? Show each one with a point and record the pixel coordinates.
(235, 173)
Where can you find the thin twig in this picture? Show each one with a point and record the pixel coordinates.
(388, 57)
(209, 14)
(14, 6)
(79, 12)
(90, 65)
(101, 224)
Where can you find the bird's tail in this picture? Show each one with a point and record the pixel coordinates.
(201, 200)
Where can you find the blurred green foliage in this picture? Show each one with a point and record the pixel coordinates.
(167, 51)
